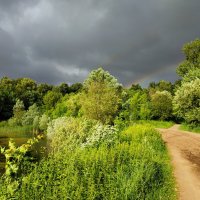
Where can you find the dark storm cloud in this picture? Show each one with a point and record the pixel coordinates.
(54, 41)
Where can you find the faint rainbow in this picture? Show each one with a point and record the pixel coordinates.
(150, 75)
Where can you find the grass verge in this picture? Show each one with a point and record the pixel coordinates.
(135, 166)
(186, 127)
(155, 123)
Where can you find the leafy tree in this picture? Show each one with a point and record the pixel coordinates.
(102, 77)
(7, 98)
(145, 107)
(192, 55)
(76, 87)
(18, 111)
(136, 107)
(43, 122)
(51, 98)
(192, 75)
(73, 105)
(162, 85)
(100, 102)
(64, 88)
(101, 98)
(187, 101)
(30, 115)
(26, 90)
(161, 103)
(42, 89)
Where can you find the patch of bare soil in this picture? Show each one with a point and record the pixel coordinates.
(184, 148)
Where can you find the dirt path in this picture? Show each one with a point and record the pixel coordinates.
(184, 148)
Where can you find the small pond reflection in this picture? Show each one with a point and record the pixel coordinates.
(20, 139)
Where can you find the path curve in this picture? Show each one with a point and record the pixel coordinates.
(184, 148)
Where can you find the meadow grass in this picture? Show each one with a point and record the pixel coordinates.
(135, 166)
(155, 123)
(186, 127)
(15, 131)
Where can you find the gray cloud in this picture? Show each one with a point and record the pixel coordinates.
(54, 41)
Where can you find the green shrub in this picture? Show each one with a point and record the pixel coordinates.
(68, 132)
(30, 115)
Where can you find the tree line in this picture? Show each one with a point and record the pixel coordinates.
(101, 97)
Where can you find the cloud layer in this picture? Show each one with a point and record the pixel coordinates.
(55, 41)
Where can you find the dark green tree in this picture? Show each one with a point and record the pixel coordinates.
(192, 58)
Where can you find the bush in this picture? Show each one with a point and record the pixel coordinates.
(43, 122)
(68, 132)
(101, 134)
(186, 101)
(161, 103)
(30, 115)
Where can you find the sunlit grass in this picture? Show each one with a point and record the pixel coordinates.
(186, 127)
(155, 123)
(16, 131)
(135, 166)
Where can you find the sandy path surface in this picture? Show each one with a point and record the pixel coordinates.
(184, 148)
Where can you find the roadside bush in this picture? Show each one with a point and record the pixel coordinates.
(161, 103)
(186, 101)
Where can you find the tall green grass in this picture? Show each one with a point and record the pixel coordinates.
(186, 127)
(16, 131)
(135, 166)
(155, 123)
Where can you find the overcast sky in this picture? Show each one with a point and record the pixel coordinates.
(63, 40)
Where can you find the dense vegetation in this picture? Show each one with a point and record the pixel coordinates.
(101, 138)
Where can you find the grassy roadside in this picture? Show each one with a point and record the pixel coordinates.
(135, 166)
(185, 127)
(155, 123)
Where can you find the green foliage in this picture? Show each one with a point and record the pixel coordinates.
(51, 98)
(102, 77)
(73, 104)
(69, 105)
(139, 106)
(136, 166)
(43, 122)
(36, 124)
(7, 98)
(162, 85)
(101, 134)
(68, 132)
(26, 90)
(187, 101)
(75, 88)
(154, 123)
(161, 103)
(14, 160)
(30, 115)
(192, 54)
(190, 127)
(18, 111)
(64, 88)
(100, 102)
(136, 107)
(192, 75)
(101, 97)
